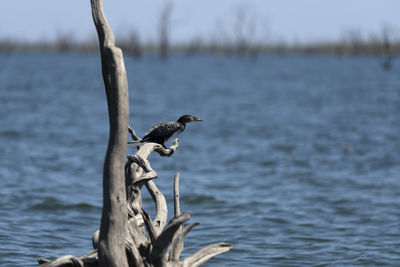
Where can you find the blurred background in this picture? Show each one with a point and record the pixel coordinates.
(295, 164)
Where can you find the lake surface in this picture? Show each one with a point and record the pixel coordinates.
(297, 162)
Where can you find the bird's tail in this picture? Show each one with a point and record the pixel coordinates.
(135, 143)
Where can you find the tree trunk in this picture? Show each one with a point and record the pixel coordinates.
(114, 216)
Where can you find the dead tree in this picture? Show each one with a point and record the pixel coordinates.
(382, 47)
(131, 44)
(387, 55)
(164, 25)
(121, 240)
(244, 29)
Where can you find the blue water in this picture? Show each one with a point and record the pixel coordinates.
(297, 162)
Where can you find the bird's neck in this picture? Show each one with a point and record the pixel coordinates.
(182, 122)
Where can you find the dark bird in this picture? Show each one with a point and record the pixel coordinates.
(165, 131)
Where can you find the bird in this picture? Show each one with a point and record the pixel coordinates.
(164, 131)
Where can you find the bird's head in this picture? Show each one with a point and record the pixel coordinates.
(188, 118)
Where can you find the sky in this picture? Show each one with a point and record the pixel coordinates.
(301, 21)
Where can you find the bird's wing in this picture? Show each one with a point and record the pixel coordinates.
(163, 129)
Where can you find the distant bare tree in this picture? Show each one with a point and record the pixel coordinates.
(387, 55)
(164, 25)
(64, 41)
(194, 46)
(354, 41)
(131, 44)
(382, 46)
(220, 41)
(244, 28)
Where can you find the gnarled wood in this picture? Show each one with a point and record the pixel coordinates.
(121, 240)
(139, 173)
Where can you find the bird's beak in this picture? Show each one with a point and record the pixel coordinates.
(197, 119)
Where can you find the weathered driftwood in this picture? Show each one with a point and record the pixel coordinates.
(164, 244)
(121, 240)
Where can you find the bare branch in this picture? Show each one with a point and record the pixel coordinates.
(95, 239)
(164, 29)
(149, 226)
(177, 206)
(133, 254)
(165, 238)
(205, 254)
(161, 206)
(67, 260)
(177, 243)
(135, 137)
(148, 174)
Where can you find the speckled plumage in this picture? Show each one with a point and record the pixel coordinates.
(164, 131)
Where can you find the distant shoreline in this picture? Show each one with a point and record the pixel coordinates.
(334, 48)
